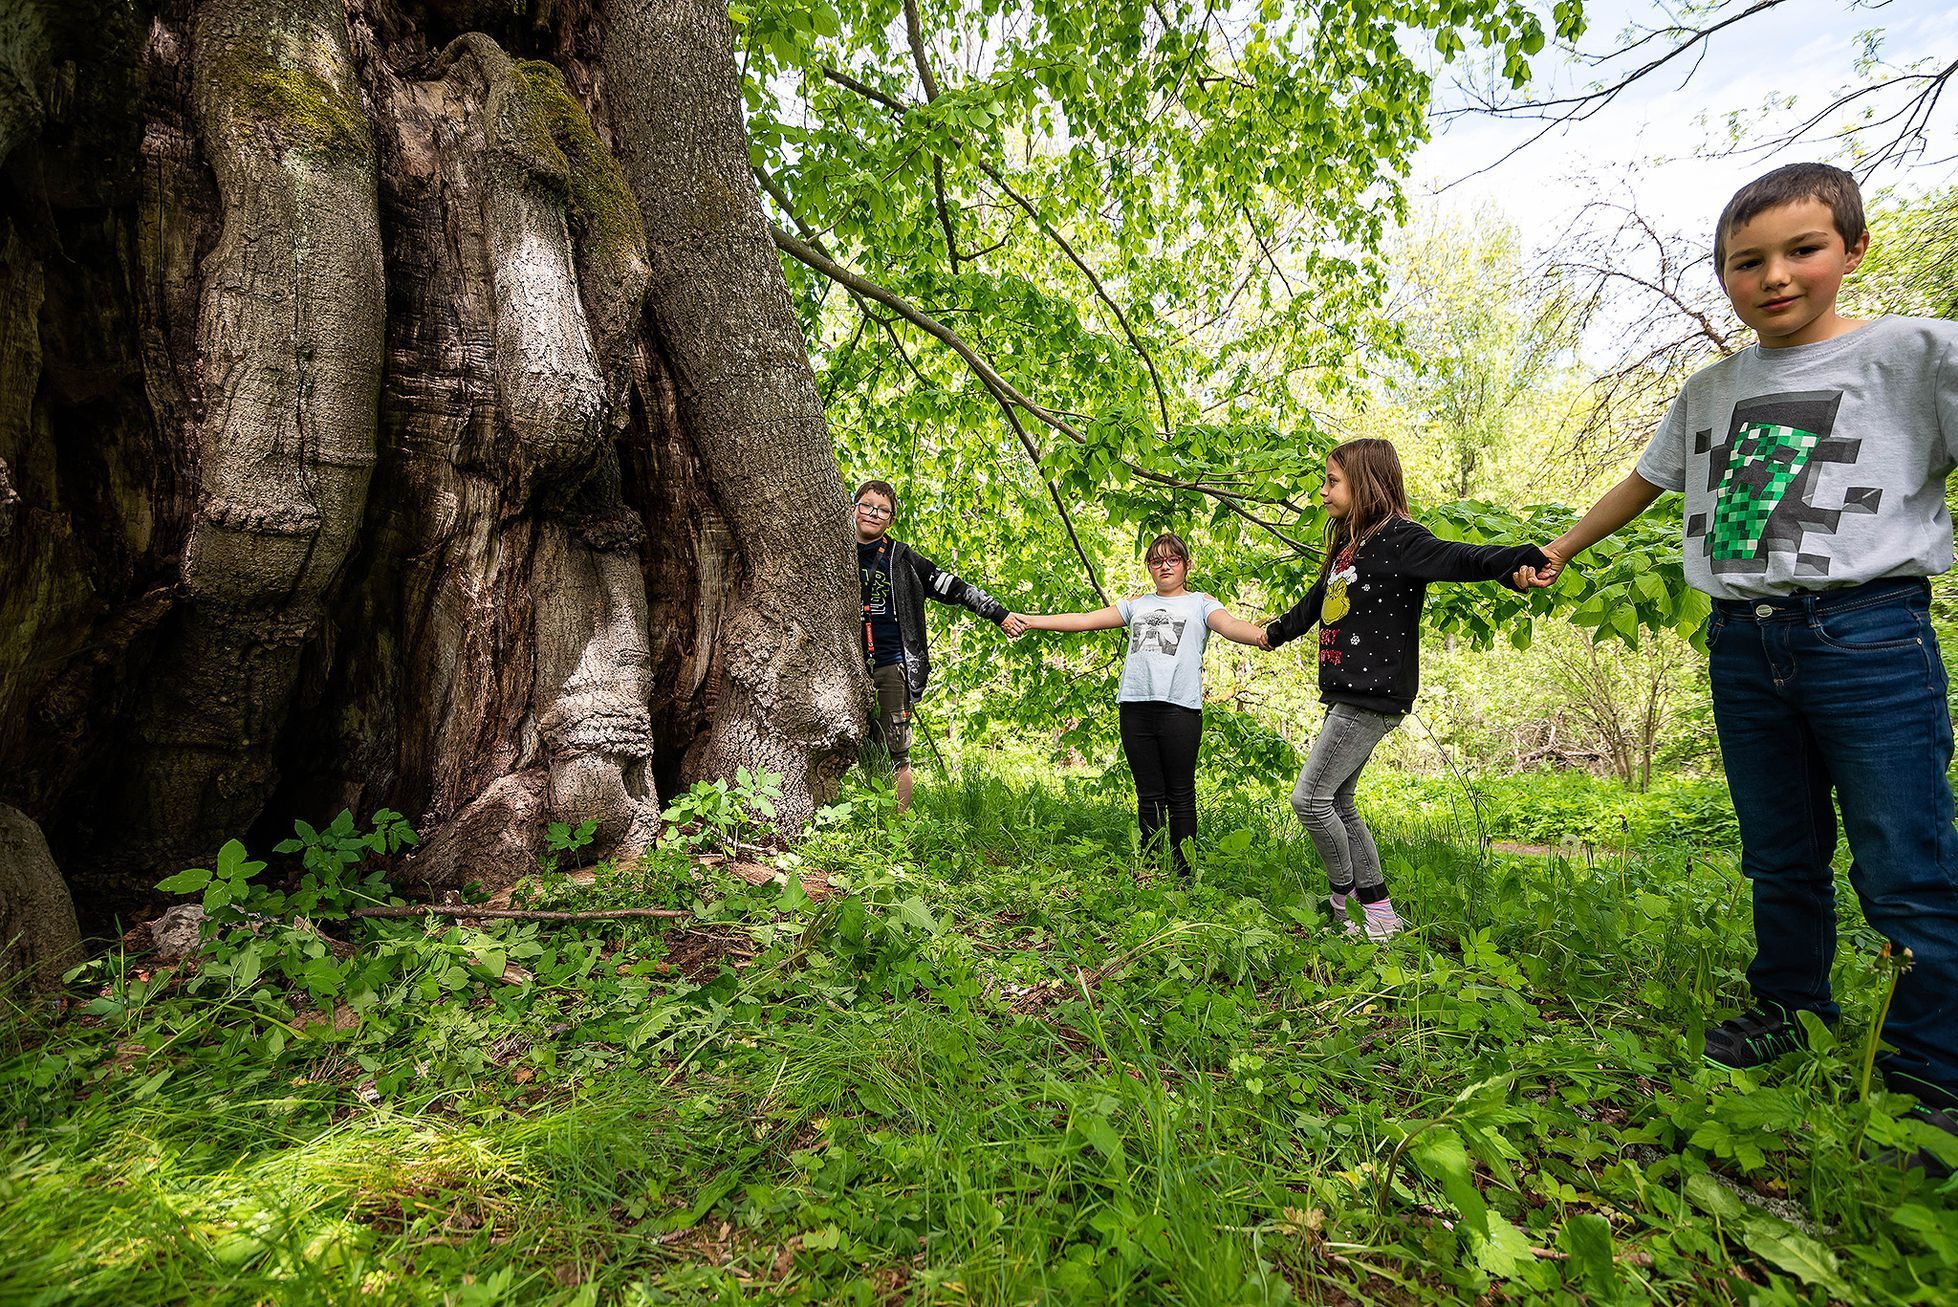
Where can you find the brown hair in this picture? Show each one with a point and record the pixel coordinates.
(1791, 185)
(1166, 545)
(1373, 474)
(881, 487)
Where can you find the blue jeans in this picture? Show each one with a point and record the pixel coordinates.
(1844, 692)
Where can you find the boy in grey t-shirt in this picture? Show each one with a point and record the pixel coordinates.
(1813, 466)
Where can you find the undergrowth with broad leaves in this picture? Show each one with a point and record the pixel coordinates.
(975, 1054)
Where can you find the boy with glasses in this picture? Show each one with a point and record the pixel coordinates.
(896, 580)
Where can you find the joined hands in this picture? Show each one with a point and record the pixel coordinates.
(1527, 578)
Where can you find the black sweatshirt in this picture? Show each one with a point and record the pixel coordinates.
(1370, 656)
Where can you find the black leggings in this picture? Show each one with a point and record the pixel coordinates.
(1160, 741)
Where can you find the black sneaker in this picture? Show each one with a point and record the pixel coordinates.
(1941, 1118)
(1936, 1107)
(1755, 1038)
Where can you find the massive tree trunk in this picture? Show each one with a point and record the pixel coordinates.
(400, 405)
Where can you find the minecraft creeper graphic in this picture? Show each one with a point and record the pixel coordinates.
(1763, 478)
(1748, 497)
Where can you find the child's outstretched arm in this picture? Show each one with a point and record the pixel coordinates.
(1101, 619)
(939, 584)
(1614, 508)
(1299, 618)
(1236, 628)
(1427, 557)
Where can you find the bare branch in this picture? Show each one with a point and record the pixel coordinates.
(1904, 131)
(1578, 107)
(518, 914)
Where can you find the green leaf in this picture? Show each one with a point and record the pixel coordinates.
(1714, 1198)
(321, 976)
(1104, 1138)
(1937, 1232)
(913, 912)
(1587, 1238)
(793, 897)
(1499, 1247)
(233, 864)
(247, 968)
(1788, 1249)
(187, 881)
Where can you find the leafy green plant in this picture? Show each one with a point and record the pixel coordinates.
(329, 887)
(986, 1052)
(721, 814)
(254, 929)
(222, 887)
(562, 840)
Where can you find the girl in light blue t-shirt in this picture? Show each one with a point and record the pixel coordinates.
(1161, 699)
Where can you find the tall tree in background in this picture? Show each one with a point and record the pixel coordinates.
(1480, 335)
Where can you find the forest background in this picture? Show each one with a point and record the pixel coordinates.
(1205, 329)
(1068, 275)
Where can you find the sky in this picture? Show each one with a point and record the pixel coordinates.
(1804, 48)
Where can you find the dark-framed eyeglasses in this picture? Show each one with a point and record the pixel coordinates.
(873, 510)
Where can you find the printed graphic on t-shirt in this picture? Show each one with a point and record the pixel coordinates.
(1763, 476)
(1156, 632)
(876, 589)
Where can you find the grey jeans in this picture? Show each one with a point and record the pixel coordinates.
(1323, 798)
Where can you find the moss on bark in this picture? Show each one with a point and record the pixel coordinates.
(604, 217)
(304, 110)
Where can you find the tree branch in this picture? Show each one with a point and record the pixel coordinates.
(1033, 456)
(914, 32)
(864, 89)
(1045, 228)
(805, 253)
(517, 914)
(1583, 106)
(1101, 293)
(1576, 108)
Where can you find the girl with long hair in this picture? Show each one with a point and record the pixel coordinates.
(1367, 605)
(1161, 696)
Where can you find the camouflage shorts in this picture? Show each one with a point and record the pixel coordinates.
(893, 726)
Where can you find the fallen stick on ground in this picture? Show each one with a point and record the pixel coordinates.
(517, 914)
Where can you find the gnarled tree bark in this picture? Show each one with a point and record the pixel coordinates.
(400, 405)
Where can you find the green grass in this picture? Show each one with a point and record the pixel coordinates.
(1000, 1069)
